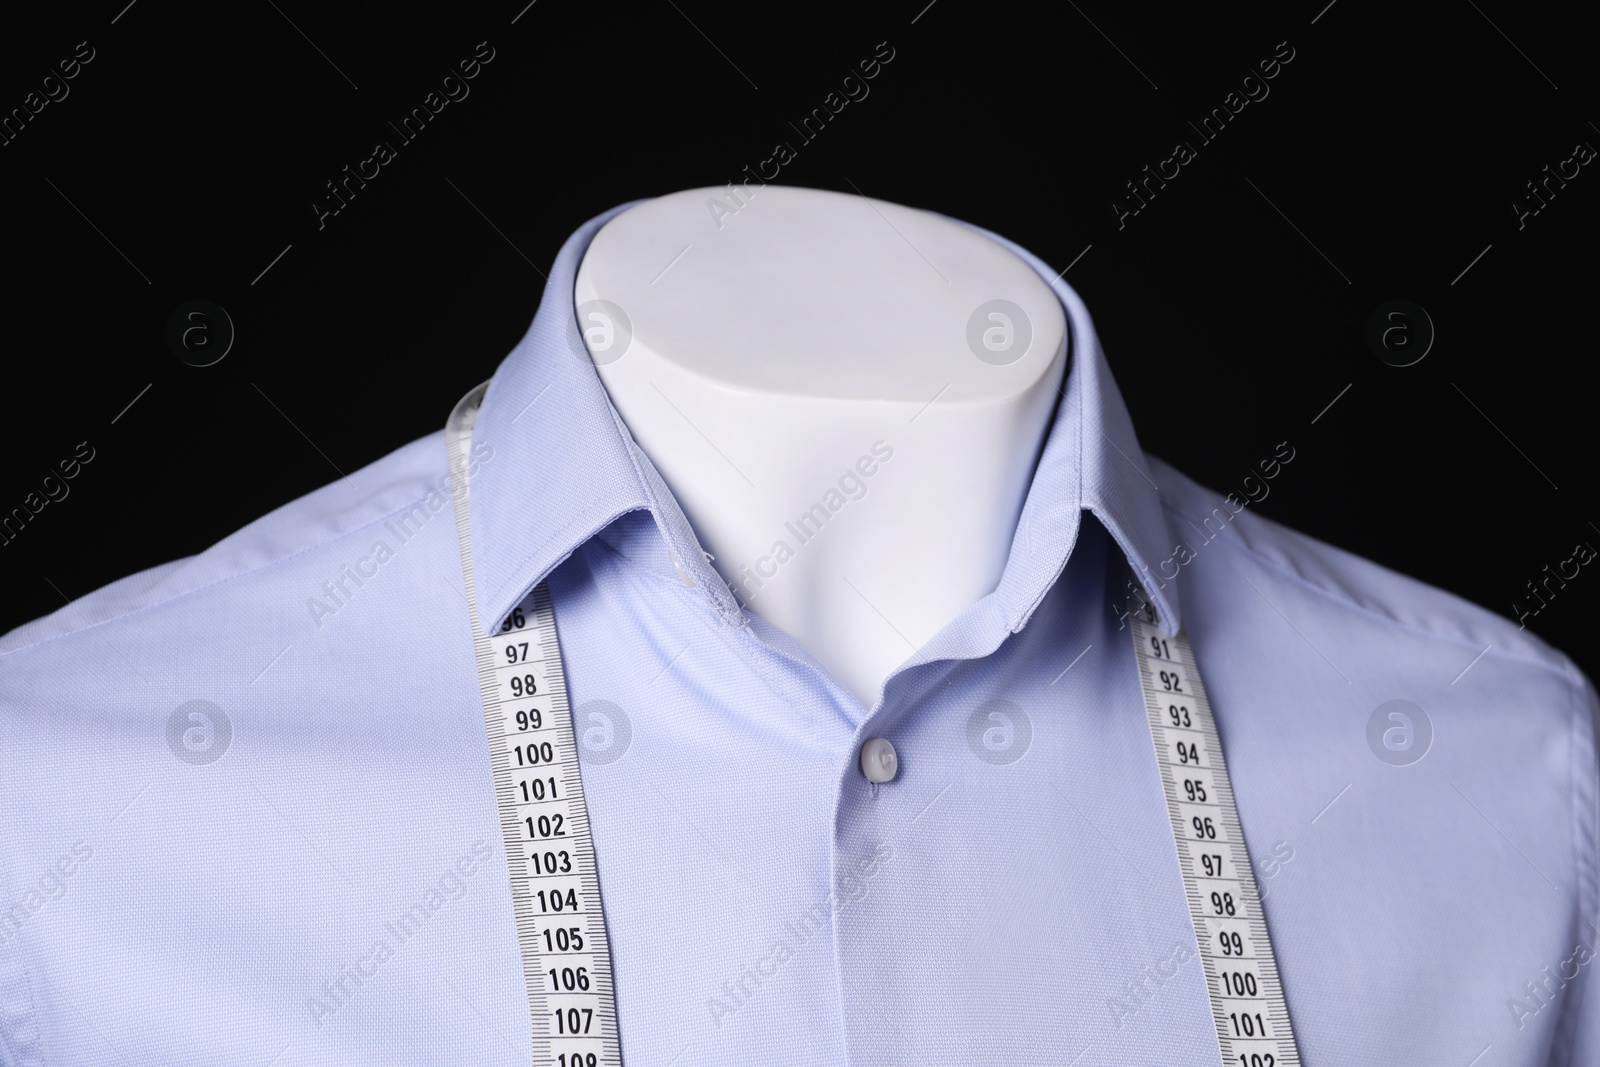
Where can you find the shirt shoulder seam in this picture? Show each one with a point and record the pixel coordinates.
(1564, 670)
(403, 509)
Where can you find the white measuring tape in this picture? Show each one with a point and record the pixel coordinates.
(555, 888)
(1241, 973)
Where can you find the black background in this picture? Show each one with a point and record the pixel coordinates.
(1233, 308)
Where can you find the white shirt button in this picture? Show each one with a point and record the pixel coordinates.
(878, 761)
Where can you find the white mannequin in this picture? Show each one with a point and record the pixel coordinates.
(786, 342)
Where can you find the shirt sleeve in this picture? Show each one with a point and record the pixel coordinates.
(19, 1031)
(1582, 1024)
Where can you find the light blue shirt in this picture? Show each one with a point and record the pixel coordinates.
(246, 814)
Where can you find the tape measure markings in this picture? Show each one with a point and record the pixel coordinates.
(1247, 1002)
(533, 754)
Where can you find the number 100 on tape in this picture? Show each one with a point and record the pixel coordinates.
(1247, 1001)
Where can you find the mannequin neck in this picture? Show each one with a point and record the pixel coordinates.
(847, 398)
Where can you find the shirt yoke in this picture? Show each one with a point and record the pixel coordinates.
(1384, 596)
(323, 518)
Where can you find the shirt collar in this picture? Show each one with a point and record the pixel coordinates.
(564, 466)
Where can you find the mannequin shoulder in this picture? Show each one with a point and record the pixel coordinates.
(323, 520)
(1369, 596)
